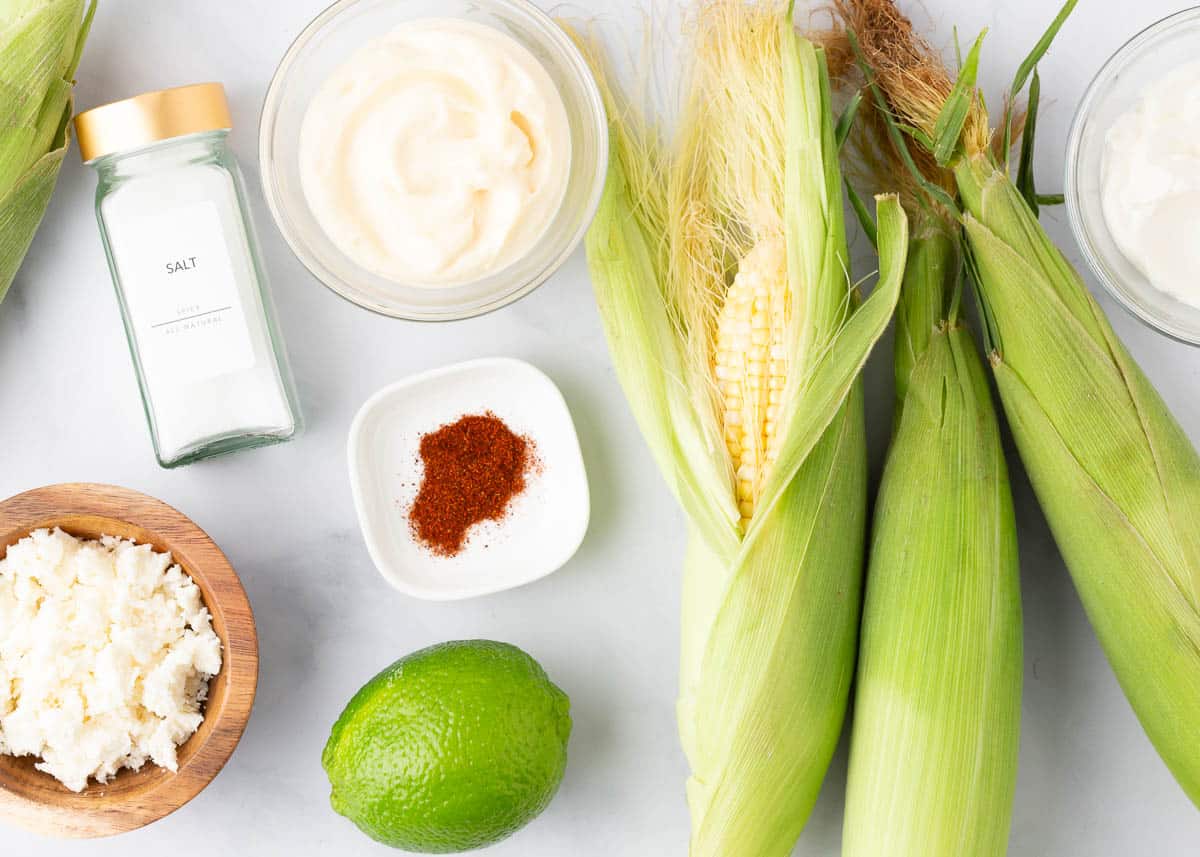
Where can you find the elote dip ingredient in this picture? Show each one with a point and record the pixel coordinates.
(933, 759)
(437, 154)
(1150, 184)
(190, 283)
(106, 649)
(451, 748)
(720, 267)
(473, 468)
(933, 748)
(1116, 475)
(40, 46)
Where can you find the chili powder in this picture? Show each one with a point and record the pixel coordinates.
(474, 467)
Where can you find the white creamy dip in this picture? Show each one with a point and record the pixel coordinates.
(437, 154)
(1150, 184)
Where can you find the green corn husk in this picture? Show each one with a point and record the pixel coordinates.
(40, 45)
(770, 608)
(933, 758)
(1117, 477)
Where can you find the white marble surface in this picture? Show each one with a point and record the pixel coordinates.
(605, 626)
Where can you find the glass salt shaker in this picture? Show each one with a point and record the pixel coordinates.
(188, 274)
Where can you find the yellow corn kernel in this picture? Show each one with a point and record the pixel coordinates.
(750, 366)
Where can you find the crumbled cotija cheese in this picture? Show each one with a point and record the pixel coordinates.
(106, 650)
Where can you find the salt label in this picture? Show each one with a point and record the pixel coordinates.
(182, 296)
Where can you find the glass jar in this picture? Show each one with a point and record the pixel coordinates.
(188, 274)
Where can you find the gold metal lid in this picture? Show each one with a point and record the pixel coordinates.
(151, 117)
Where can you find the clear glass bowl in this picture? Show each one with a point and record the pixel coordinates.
(325, 45)
(1141, 62)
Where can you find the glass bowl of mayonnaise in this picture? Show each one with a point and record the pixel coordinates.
(1133, 175)
(433, 159)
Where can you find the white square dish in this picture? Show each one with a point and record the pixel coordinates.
(544, 525)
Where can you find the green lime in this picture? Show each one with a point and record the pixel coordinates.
(451, 748)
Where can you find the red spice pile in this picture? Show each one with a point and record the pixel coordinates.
(474, 467)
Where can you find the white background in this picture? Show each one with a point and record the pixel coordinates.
(605, 626)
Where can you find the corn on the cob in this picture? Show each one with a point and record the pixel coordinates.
(933, 754)
(40, 43)
(1117, 477)
(748, 200)
(933, 757)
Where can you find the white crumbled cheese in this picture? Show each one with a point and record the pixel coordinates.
(106, 650)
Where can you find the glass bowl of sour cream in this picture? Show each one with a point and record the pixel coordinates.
(1133, 175)
(433, 159)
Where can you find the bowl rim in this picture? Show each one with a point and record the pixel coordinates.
(1083, 236)
(268, 117)
(96, 812)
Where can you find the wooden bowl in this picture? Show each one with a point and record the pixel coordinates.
(132, 799)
